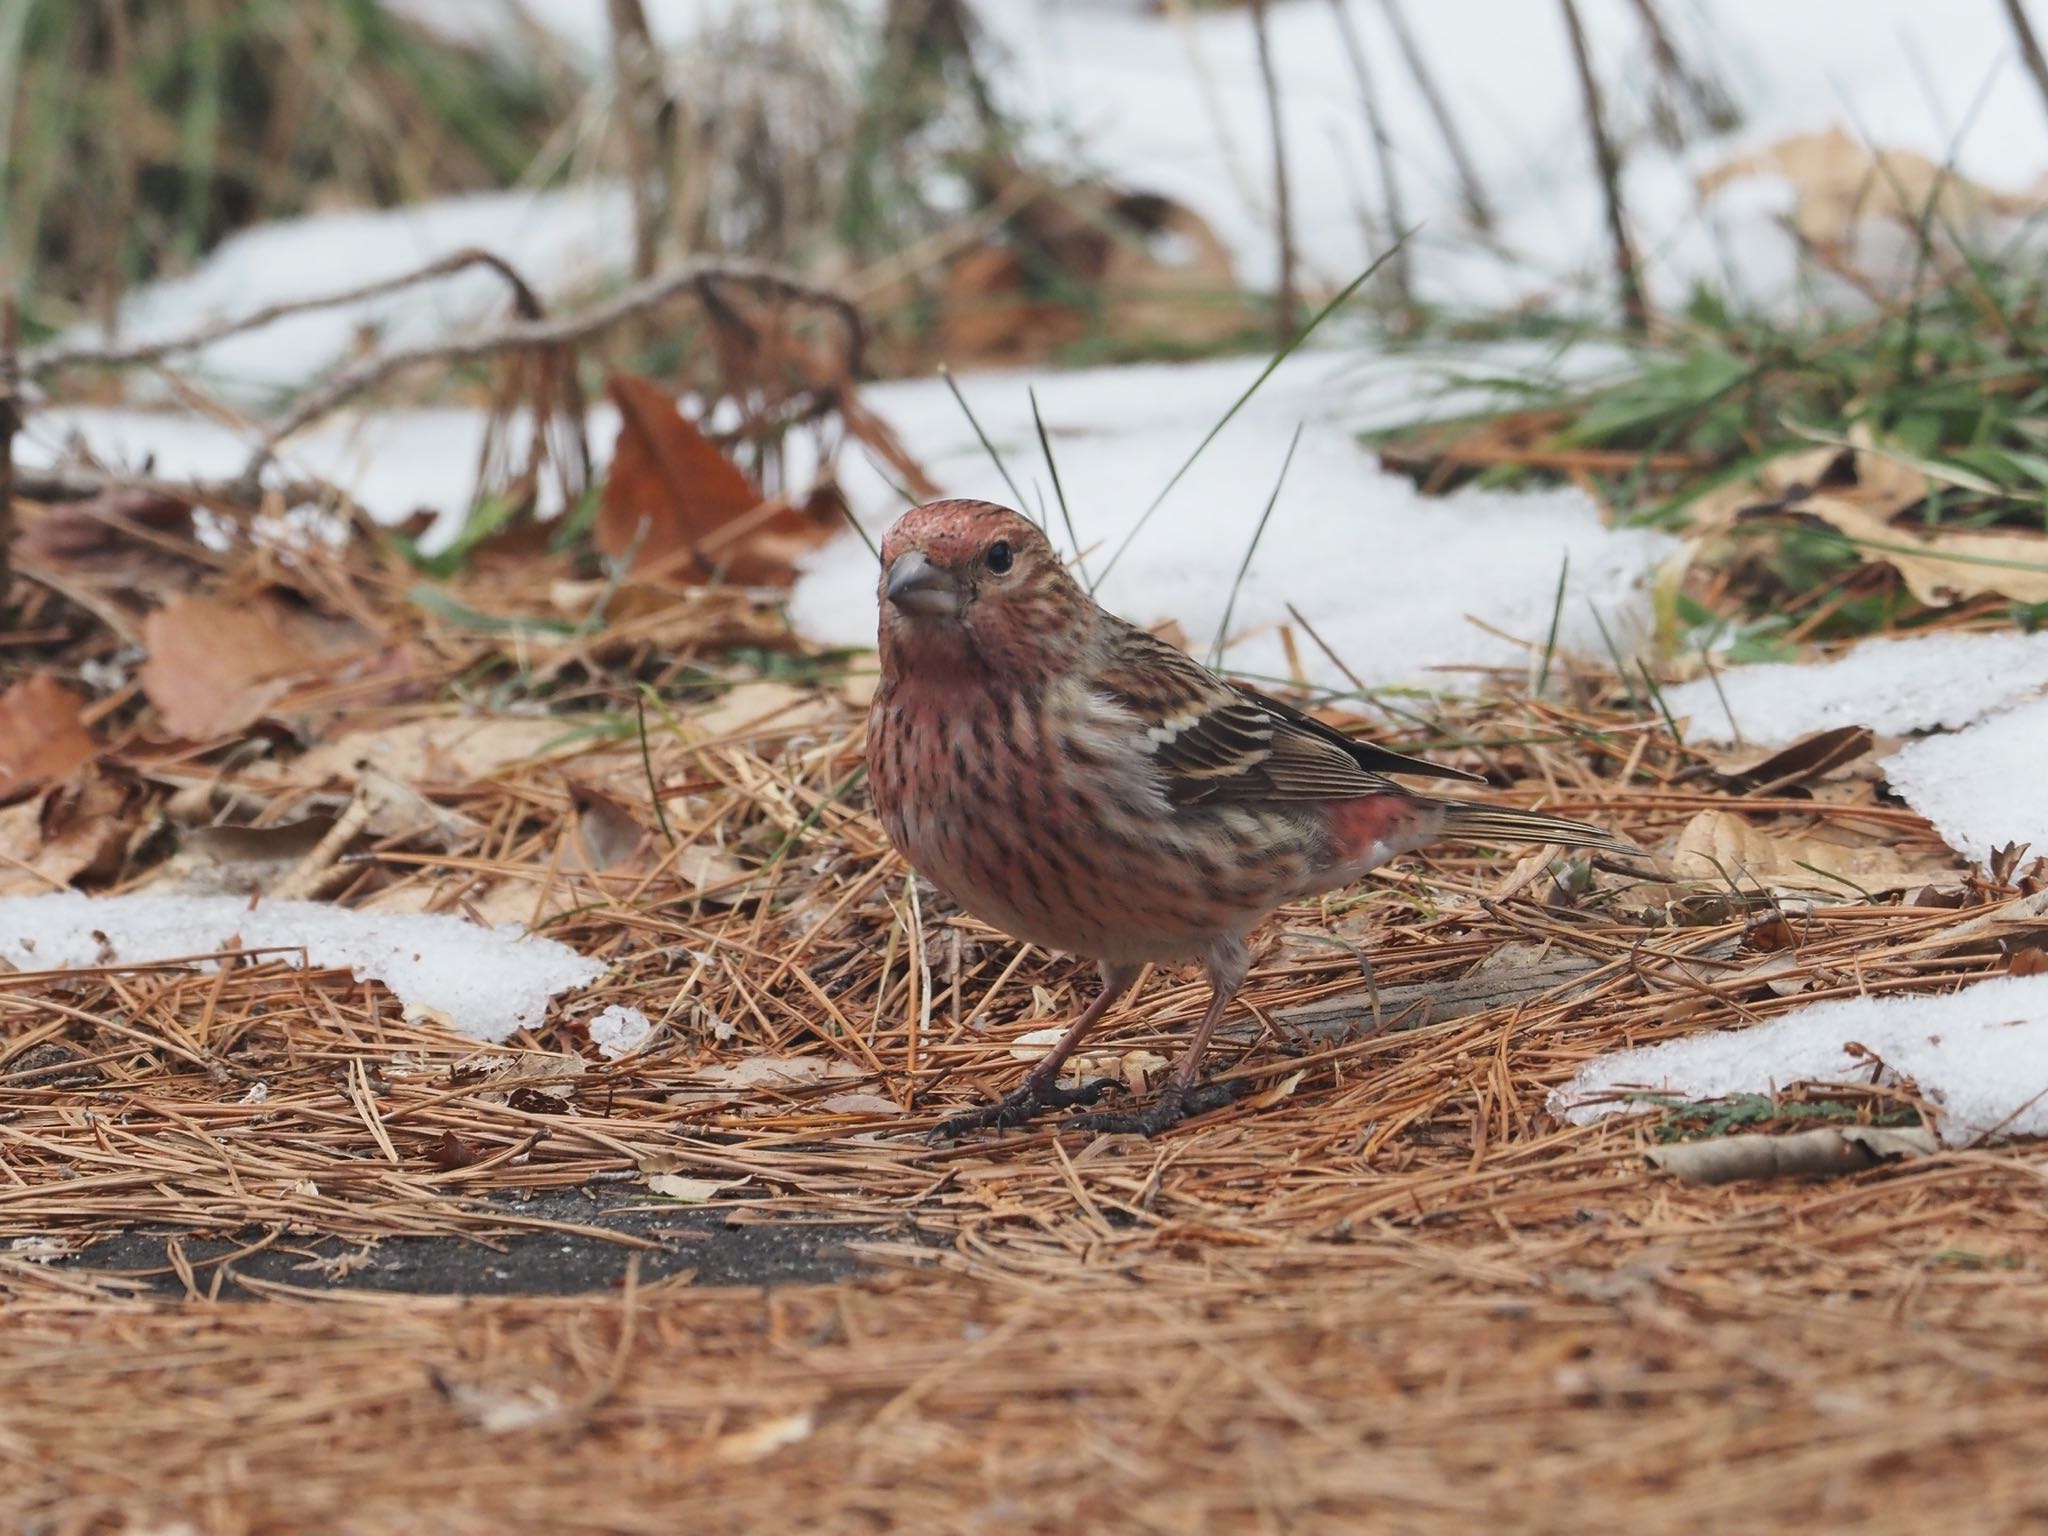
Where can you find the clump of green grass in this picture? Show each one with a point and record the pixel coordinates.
(1950, 381)
(1708, 1118)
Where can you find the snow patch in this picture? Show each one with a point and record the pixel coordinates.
(1982, 787)
(563, 242)
(1392, 579)
(1894, 686)
(1979, 1054)
(482, 982)
(619, 1030)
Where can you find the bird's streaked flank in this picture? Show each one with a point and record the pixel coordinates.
(1084, 786)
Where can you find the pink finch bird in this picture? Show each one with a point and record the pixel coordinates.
(1084, 786)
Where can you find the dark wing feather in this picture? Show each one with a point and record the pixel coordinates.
(1217, 741)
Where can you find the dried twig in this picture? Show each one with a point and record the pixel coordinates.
(55, 357)
(1399, 272)
(1283, 298)
(646, 117)
(2030, 46)
(637, 300)
(10, 423)
(1634, 309)
(1474, 195)
(1708, 100)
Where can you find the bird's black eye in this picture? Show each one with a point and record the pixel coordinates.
(999, 557)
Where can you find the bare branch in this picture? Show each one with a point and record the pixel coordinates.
(349, 382)
(2030, 46)
(10, 421)
(53, 358)
(1283, 300)
(1418, 66)
(1635, 311)
(1398, 270)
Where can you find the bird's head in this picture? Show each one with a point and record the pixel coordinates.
(970, 586)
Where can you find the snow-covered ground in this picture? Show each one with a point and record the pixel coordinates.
(1169, 100)
(1979, 1054)
(1392, 580)
(482, 982)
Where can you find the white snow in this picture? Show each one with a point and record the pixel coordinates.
(1177, 107)
(563, 242)
(1894, 686)
(1980, 1054)
(1390, 578)
(393, 462)
(619, 1030)
(482, 982)
(1984, 786)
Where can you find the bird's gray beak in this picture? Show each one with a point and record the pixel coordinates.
(917, 586)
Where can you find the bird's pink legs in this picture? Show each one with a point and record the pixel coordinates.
(1181, 1096)
(1041, 1089)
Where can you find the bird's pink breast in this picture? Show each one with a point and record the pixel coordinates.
(1032, 819)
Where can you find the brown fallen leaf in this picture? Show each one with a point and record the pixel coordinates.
(1944, 567)
(1823, 864)
(215, 667)
(1838, 181)
(776, 1073)
(1771, 770)
(41, 736)
(684, 510)
(72, 831)
(738, 713)
(1859, 474)
(444, 749)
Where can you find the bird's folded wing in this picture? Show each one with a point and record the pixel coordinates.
(1216, 741)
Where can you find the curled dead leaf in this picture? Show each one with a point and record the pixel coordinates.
(1824, 1153)
(1946, 566)
(41, 735)
(684, 510)
(1770, 771)
(71, 831)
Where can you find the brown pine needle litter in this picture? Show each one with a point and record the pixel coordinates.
(723, 1283)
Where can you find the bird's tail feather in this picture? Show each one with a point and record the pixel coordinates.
(1469, 819)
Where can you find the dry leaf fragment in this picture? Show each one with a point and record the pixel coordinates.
(765, 1438)
(685, 510)
(860, 1104)
(71, 831)
(1720, 847)
(686, 1191)
(215, 667)
(41, 736)
(1838, 181)
(1811, 757)
(446, 749)
(740, 713)
(1944, 567)
(777, 1072)
(1827, 1152)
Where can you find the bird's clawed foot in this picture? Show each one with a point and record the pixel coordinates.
(1027, 1103)
(1174, 1104)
